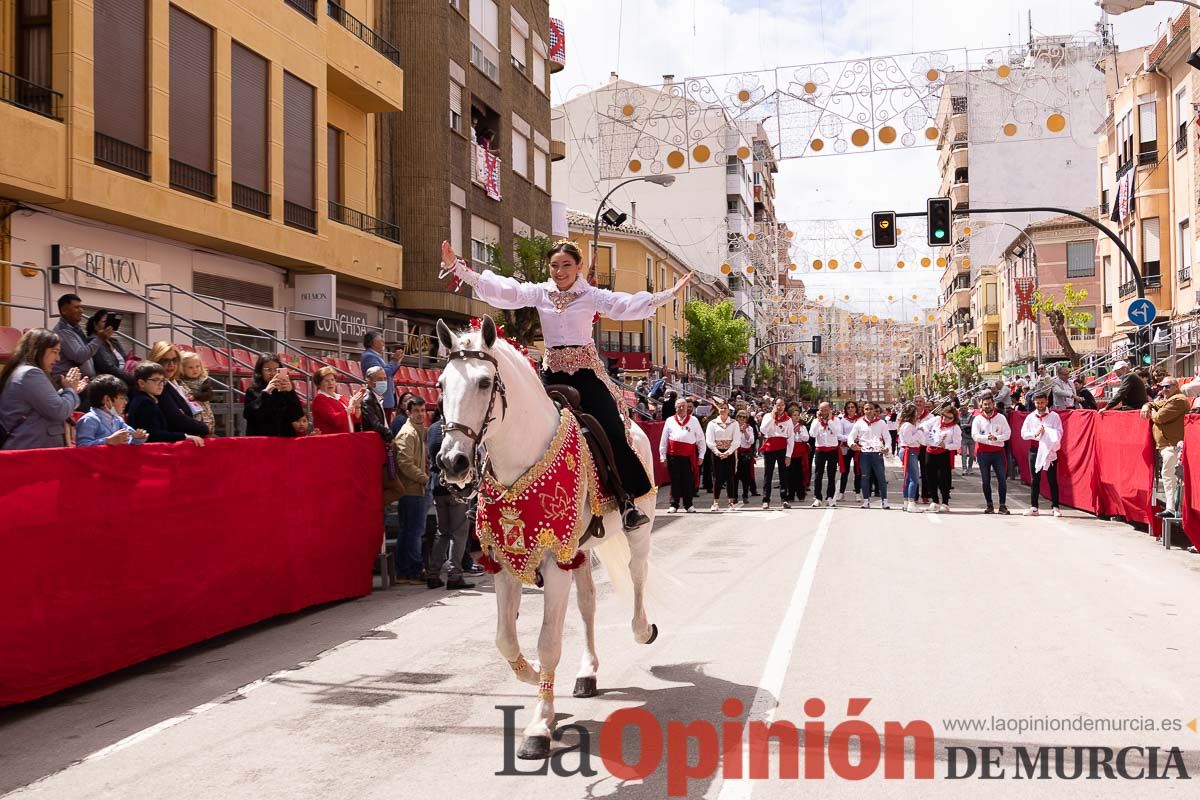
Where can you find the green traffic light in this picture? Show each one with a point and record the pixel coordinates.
(1146, 359)
(939, 234)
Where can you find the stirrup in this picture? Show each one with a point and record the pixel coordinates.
(632, 518)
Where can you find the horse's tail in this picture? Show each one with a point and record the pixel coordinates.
(613, 552)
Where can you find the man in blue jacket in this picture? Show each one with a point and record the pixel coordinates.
(373, 356)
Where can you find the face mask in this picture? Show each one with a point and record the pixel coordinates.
(381, 388)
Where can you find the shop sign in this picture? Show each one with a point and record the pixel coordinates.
(100, 270)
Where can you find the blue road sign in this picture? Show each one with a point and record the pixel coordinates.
(1142, 312)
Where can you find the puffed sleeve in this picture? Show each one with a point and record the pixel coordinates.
(625, 306)
(497, 290)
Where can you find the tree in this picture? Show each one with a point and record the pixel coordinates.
(766, 375)
(1063, 314)
(944, 382)
(532, 264)
(806, 389)
(965, 359)
(908, 387)
(714, 339)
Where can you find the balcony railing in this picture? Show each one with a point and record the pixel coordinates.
(992, 309)
(610, 346)
(1185, 274)
(1181, 144)
(1150, 157)
(28, 95)
(1104, 209)
(193, 180)
(306, 7)
(364, 222)
(1123, 168)
(122, 156)
(297, 216)
(1153, 284)
(355, 26)
(251, 200)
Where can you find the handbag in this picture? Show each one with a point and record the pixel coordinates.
(5, 432)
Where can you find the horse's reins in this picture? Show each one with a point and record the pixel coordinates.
(476, 437)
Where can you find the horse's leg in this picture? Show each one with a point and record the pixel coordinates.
(639, 568)
(508, 603)
(557, 595)
(585, 593)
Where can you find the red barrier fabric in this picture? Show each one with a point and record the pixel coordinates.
(113, 555)
(1191, 479)
(653, 431)
(1077, 465)
(1125, 452)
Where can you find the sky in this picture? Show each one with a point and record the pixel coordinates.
(644, 39)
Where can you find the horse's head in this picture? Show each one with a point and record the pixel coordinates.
(470, 392)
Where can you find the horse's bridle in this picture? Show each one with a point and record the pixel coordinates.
(476, 437)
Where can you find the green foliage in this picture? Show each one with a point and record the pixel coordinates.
(944, 382)
(806, 389)
(714, 339)
(965, 359)
(1063, 315)
(908, 387)
(532, 264)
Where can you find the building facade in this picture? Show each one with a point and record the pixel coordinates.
(222, 149)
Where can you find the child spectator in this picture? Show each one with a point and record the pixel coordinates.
(104, 424)
(145, 413)
(198, 386)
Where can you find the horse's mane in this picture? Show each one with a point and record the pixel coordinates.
(514, 357)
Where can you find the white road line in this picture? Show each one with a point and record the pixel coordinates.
(770, 685)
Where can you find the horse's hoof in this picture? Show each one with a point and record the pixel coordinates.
(653, 633)
(534, 748)
(585, 687)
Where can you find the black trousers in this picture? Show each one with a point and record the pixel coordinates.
(796, 487)
(1035, 482)
(926, 482)
(683, 481)
(744, 474)
(851, 461)
(771, 460)
(706, 471)
(598, 401)
(937, 468)
(827, 464)
(723, 477)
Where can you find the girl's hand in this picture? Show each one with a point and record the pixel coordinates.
(448, 255)
(682, 283)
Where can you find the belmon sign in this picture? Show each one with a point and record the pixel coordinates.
(316, 295)
(105, 269)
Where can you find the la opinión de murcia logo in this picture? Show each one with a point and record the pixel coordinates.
(852, 750)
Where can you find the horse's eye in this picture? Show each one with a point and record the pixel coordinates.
(485, 383)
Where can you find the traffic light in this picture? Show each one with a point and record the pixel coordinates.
(937, 213)
(883, 229)
(816, 343)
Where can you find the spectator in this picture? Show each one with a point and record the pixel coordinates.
(1131, 394)
(1062, 389)
(400, 417)
(1002, 395)
(413, 474)
(110, 357)
(105, 422)
(373, 356)
(681, 447)
(331, 412)
(172, 400)
(912, 440)
(1086, 399)
(965, 418)
(668, 404)
(372, 417)
(145, 407)
(198, 388)
(1043, 430)
(77, 352)
(272, 407)
(450, 542)
(33, 414)
(1167, 415)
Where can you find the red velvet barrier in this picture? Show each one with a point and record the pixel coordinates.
(1191, 479)
(1077, 467)
(113, 555)
(653, 431)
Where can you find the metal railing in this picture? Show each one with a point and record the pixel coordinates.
(1185, 274)
(1122, 168)
(1181, 144)
(297, 216)
(251, 200)
(1104, 209)
(306, 7)
(22, 93)
(122, 156)
(1153, 284)
(193, 180)
(1149, 157)
(364, 222)
(355, 26)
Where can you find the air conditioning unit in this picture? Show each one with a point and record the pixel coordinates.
(395, 331)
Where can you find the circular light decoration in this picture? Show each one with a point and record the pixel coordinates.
(675, 159)
(845, 297)
(1003, 71)
(793, 266)
(635, 166)
(874, 318)
(931, 133)
(816, 145)
(820, 297)
(914, 296)
(791, 348)
(899, 232)
(900, 264)
(817, 264)
(858, 232)
(701, 153)
(930, 318)
(750, 269)
(803, 318)
(891, 298)
(865, 319)
(752, 236)
(858, 265)
(932, 75)
(887, 134)
(966, 262)
(810, 88)
(833, 263)
(792, 319)
(941, 262)
(627, 109)
(916, 318)
(726, 269)
(860, 138)
(744, 95)
(743, 152)
(1056, 123)
(1010, 129)
(925, 262)
(966, 230)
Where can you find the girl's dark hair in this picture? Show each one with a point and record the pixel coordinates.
(566, 247)
(259, 381)
(908, 413)
(90, 328)
(32, 345)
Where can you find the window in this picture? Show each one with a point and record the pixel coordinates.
(541, 160)
(993, 346)
(649, 274)
(250, 77)
(484, 236)
(675, 307)
(1183, 112)
(120, 46)
(1151, 252)
(191, 104)
(520, 42)
(1125, 140)
(334, 157)
(33, 53)
(1081, 259)
(604, 267)
(539, 64)
(520, 154)
(663, 349)
(989, 300)
(1185, 251)
(456, 106)
(1147, 128)
(299, 151)
(485, 18)
(456, 228)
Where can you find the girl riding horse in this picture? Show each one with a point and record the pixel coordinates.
(566, 305)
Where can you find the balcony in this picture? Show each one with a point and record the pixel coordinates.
(306, 7)
(356, 27)
(1124, 167)
(122, 156)
(252, 201)
(1153, 284)
(960, 195)
(958, 105)
(485, 171)
(1147, 158)
(1185, 275)
(297, 216)
(1181, 145)
(193, 180)
(364, 222)
(17, 91)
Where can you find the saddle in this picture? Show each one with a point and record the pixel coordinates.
(597, 441)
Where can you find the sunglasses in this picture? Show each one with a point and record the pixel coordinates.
(174, 360)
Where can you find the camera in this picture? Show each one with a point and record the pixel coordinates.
(114, 321)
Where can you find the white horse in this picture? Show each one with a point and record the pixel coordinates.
(492, 396)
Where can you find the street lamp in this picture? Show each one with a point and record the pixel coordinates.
(1116, 7)
(657, 180)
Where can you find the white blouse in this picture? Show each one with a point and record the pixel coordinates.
(566, 316)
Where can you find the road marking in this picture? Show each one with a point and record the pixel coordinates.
(770, 685)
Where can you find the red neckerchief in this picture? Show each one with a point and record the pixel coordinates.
(987, 415)
(780, 420)
(683, 421)
(1041, 415)
(923, 416)
(852, 419)
(824, 422)
(948, 424)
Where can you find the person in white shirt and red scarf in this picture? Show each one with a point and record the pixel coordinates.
(681, 447)
(567, 305)
(723, 438)
(912, 442)
(1043, 430)
(745, 456)
(925, 420)
(869, 439)
(778, 437)
(797, 472)
(990, 432)
(826, 440)
(945, 439)
(850, 415)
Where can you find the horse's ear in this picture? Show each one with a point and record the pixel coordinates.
(488, 329)
(444, 335)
